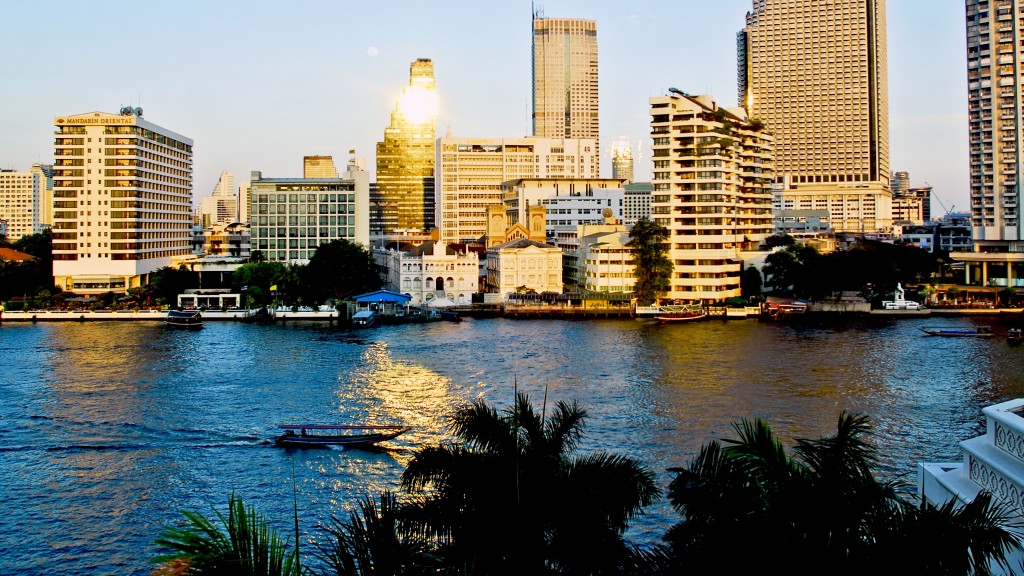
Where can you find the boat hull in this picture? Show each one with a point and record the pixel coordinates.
(184, 319)
(322, 441)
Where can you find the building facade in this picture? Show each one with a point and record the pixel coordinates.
(122, 203)
(430, 272)
(319, 167)
(24, 199)
(568, 202)
(565, 79)
(637, 202)
(994, 91)
(470, 173)
(221, 207)
(291, 217)
(405, 158)
(713, 172)
(855, 211)
(524, 264)
(815, 74)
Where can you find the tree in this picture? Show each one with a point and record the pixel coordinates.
(257, 278)
(821, 507)
(511, 496)
(165, 284)
(339, 269)
(39, 245)
(750, 282)
(245, 546)
(781, 239)
(652, 268)
(376, 540)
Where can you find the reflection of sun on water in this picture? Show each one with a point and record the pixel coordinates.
(399, 393)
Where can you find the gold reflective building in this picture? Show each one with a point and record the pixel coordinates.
(405, 159)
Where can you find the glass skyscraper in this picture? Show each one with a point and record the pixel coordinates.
(405, 159)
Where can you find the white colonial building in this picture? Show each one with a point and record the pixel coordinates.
(430, 273)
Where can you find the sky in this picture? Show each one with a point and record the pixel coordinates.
(257, 85)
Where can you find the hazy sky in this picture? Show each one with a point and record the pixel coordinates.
(258, 85)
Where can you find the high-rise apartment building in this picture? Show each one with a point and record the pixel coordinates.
(23, 200)
(713, 172)
(471, 170)
(815, 74)
(122, 203)
(622, 160)
(405, 159)
(244, 201)
(565, 78)
(994, 92)
(291, 217)
(221, 207)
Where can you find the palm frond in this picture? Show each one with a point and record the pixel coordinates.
(246, 544)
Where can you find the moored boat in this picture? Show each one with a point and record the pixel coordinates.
(980, 331)
(298, 435)
(1015, 336)
(364, 319)
(184, 318)
(681, 314)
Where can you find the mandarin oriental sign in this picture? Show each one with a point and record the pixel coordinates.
(100, 120)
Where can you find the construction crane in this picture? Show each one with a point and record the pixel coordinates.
(941, 203)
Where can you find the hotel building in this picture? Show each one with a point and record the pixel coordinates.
(122, 200)
(290, 217)
(994, 92)
(23, 200)
(565, 78)
(815, 74)
(471, 171)
(713, 172)
(405, 159)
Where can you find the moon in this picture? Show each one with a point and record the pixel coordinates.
(371, 51)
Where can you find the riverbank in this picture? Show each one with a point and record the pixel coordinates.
(516, 312)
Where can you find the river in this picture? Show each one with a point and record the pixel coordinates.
(109, 429)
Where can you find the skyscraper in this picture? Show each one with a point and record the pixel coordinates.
(564, 78)
(815, 73)
(122, 189)
(994, 92)
(405, 159)
(221, 207)
(622, 160)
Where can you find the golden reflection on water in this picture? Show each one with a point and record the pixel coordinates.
(397, 392)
